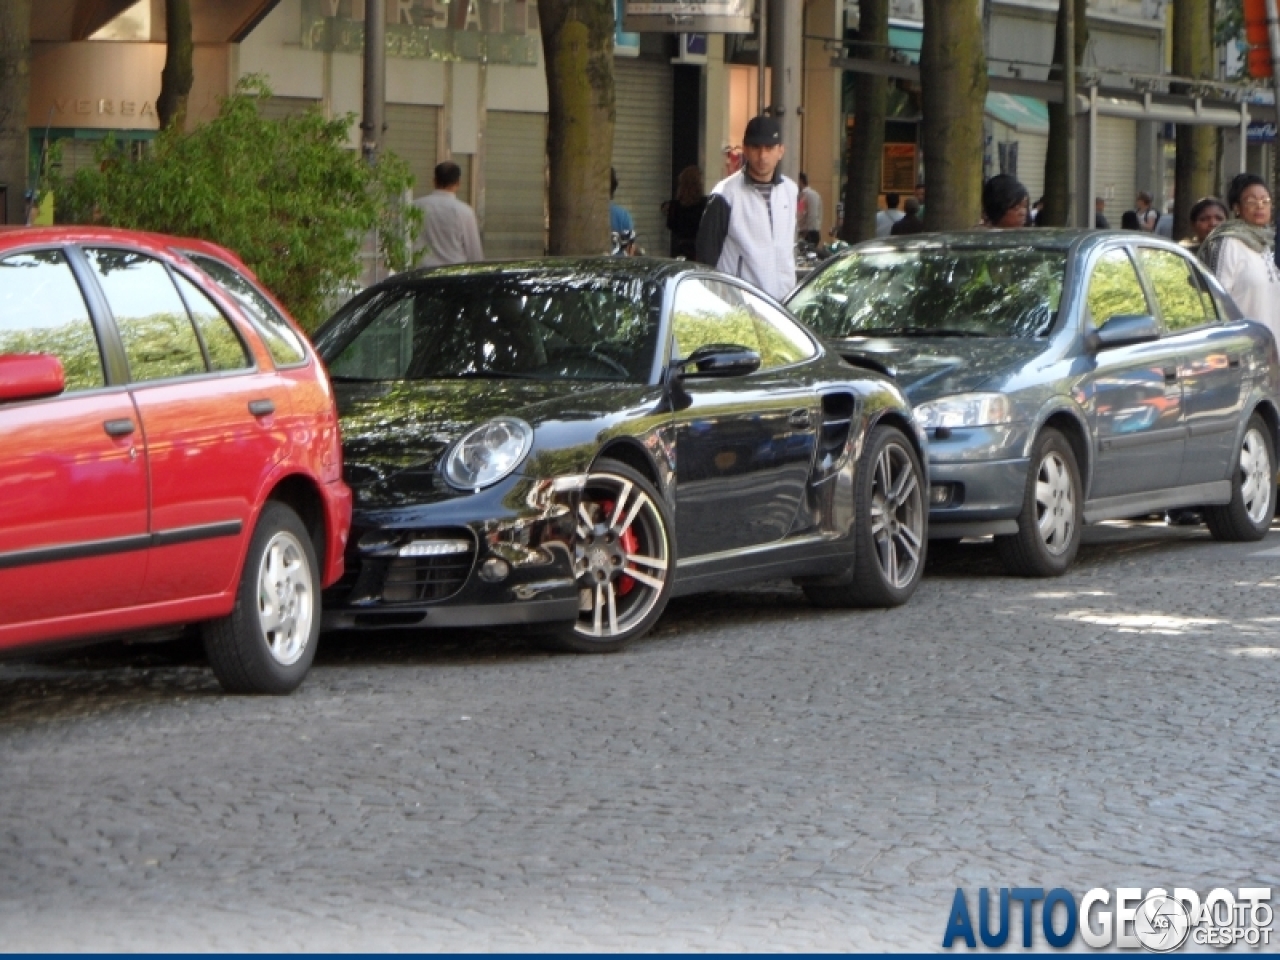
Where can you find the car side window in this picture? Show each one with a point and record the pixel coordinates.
(1114, 288)
(283, 342)
(226, 351)
(1184, 303)
(157, 333)
(43, 311)
(709, 311)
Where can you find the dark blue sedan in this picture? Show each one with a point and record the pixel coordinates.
(1063, 377)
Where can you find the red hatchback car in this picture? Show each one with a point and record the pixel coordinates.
(169, 453)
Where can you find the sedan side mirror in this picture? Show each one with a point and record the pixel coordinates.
(1124, 330)
(30, 376)
(720, 360)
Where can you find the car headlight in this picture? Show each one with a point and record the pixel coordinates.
(488, 453)
(965, 410)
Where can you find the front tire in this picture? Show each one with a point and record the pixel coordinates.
(1048, 536)
(267, 642)
(1253, 486)
(624, 558)
(890, 527)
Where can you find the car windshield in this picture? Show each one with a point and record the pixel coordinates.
(936, 291)
(497, 327)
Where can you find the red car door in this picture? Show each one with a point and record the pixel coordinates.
(73, 468)
(214, 424)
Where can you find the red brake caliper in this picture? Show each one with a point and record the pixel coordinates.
(629, 543)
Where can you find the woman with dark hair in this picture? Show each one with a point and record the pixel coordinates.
(1005, 202)
(1129, 220)
(1207, 214)
(684, 213)
(1241, 252)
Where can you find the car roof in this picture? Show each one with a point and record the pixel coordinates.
(1039, 238)
(21, 236)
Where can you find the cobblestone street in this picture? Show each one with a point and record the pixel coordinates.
(755, 775)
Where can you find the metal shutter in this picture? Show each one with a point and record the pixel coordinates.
(1032, 150)
(411, 135)
(1117, 163)
(515, 182)
(277, 108)
(642, 147)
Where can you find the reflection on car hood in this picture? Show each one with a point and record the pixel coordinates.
(931, 367)
(396, 431)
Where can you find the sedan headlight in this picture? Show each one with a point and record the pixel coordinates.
(488, 453)
(965, 410)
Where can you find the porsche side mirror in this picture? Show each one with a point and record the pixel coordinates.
(719, 360)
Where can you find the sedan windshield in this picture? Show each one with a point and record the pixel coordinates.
(497, 327)
(938, 291)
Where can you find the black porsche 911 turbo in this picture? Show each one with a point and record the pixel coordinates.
(569, 443)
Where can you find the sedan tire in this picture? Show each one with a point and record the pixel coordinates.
(267, 642)
(624, 557)
(890, 534)
(1253, 489)
(1048, 536)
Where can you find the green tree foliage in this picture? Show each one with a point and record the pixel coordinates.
(287, 196)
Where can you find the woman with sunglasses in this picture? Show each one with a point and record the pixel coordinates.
(1241, 252)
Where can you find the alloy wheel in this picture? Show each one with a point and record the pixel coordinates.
(621, 557)
(286, 598)
(897, 515)
(1055, 503)
(1255, 476)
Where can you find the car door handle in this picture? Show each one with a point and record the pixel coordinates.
(1170, 374)
(118, 428)
(800, 419)
(262, 408)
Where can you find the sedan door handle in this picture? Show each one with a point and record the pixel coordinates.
(118, 428)
(1170, 374)
(800, 419)
(262, 408)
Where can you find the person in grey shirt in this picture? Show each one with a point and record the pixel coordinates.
(449, 231)
(809, 210)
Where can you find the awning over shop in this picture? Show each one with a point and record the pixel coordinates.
(1024, 114)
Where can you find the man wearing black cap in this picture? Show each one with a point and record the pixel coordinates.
(749, 225)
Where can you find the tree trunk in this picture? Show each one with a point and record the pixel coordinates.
(953, 94)
(1196, 169)
(577, 47)
(15, 93)
(175, 79)
(1056, 161)
(866, 149)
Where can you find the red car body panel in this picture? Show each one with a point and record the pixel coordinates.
(103, 533)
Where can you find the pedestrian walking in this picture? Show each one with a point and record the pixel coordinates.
(886, 218)
(1100, 221)
(1148, 216)
(1241, 252)
(749, 227)
(1005, 203)
(1207, 214)
(449, 231)
(910, 221)
(621, 226)
(684, 213)
(809, 212)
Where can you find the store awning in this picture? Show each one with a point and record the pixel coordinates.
(1024, 114)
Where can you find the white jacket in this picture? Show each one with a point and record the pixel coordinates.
(758, 241)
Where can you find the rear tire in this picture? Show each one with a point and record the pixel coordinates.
(1048, 536)
(267, 642)
(890, 527)
(1253, 489)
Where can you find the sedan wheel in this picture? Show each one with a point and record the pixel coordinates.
(623, 558)
(890, 535)
(1049, 525)
(1253, 485)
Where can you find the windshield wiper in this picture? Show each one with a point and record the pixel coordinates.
(914, 332)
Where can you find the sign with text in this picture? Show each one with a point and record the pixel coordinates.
(898, 168)
(493, 31)
(690, 16)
